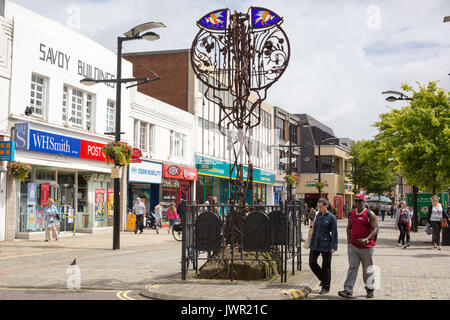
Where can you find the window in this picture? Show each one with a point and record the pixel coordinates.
(280, 128)
(143, 136)
(177, 145)
(37, 103)
(110, 113)
(77, 107)
(293, 136)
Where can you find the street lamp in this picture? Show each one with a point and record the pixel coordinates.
(135, 33)
(403, 97)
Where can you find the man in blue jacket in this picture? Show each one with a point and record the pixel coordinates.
(324, 242)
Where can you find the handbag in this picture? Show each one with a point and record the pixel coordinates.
(408, 226)
(308, 241)
(444, 223)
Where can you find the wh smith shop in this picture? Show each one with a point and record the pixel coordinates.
(214, 180)
(58, 125)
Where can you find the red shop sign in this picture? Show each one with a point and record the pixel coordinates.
(91, 150)
(136, 155)
(45, 194)
(177, 172)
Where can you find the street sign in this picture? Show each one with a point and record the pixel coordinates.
(7, 150)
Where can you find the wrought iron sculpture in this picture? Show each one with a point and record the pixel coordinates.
(235, 55)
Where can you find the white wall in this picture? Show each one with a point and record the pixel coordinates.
(37, 40)
(164, 118)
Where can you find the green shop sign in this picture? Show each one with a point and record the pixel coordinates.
(221, 169)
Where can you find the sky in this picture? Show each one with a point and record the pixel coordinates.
(343, 53)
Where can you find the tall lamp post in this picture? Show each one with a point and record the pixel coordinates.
(137, 33)
(403, 97)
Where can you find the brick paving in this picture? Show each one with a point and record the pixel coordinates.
(151, 263)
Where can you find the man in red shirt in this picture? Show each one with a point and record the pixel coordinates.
(362, 229)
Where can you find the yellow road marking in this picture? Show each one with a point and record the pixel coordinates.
(123, 295)
(59, 290)
(153, 286)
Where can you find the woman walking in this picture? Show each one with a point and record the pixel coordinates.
(402, 223)
(172, 215)
(51, 213)
(435, 216)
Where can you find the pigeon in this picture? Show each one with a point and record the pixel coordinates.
(74, 262)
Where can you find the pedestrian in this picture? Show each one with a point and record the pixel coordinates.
(436, 215)
(382, 211)
(158, 216)
(324, 242)
(51, 213)
(172, 215)
(205, 208)
(362, 229)
(139, 211)
(408, 232)
(392, 211)
(312, 215)
(402, 223)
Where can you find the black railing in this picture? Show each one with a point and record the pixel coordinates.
(209, 230)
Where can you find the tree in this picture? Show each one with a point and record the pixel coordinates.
(371, 172)
(417, 138)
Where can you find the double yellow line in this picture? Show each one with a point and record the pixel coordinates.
(123, 295)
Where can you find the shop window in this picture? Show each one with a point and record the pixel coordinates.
(37, 95)
(199, 185)
(208, 188)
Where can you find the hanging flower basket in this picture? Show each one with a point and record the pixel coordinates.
(320, 185)
(290, 179)
(19, 170)
(117, 151)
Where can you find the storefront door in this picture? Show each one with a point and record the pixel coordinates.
(66, 201)
(185, 187)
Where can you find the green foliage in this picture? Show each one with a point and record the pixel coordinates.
(320, 186)
(19, 170)
(417, 137)
(117, 151)
(372, 172)
(290, 179)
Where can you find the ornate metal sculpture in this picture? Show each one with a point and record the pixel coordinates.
(235, 55)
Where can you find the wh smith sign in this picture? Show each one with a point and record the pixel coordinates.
(40, 141)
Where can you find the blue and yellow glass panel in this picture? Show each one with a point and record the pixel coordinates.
(7, 150)
(263, 18)
(216, 20)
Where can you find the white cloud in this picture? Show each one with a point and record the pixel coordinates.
(339, 66)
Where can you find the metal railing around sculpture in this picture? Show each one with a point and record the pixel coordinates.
(271, 233)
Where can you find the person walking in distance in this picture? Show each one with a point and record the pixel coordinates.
(324, 242)
(139, 211)
(402, 223)
(362, 229)
(435, 215)
(382, 211)
(172, 215)
(50, 220)
(158, 216)
(408, 232)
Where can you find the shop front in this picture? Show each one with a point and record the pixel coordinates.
(144, 181)
(214, 182)
(69, 170)
(177, 184)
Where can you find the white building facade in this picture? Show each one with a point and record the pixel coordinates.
(59, 124)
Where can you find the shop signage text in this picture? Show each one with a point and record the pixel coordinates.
(62, 60)
(145, 172)
(177, 172)
(40, 141)
(7, 150)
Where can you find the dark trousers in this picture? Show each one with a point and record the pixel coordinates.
(383, 213)
(436, 226)
(402, 229)
(139, 222)
(322, 273)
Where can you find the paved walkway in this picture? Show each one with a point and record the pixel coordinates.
(150, 263)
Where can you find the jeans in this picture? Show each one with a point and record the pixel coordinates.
(171, 223)
(139, 222)
(383, 213)
(356, 256)
(436, 225)
(324, 273)
(402, 228)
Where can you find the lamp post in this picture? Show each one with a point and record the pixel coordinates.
(133, 34)
(403, 97)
